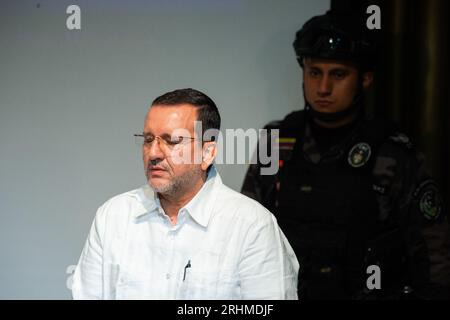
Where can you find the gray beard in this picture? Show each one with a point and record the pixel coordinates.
(178, 184)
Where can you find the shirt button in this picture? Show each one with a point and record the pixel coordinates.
(168, 276)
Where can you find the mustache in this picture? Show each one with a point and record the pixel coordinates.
(156, 163)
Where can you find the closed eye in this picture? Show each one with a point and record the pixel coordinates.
(172, 141)
(149, 138)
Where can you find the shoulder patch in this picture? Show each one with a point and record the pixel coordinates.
(430, 201)
(359, 154)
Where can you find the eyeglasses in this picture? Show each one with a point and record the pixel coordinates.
(169, 142)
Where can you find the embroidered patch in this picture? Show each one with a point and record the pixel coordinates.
(430, 201)
(359, 154)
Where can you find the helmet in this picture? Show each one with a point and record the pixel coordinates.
(336, 36)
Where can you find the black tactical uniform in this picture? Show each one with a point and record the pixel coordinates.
(352, 197)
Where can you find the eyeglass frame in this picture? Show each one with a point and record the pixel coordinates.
(167, 143)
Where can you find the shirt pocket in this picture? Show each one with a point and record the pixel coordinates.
(207, 278)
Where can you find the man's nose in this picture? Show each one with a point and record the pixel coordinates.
(325, 86)
(154, 150)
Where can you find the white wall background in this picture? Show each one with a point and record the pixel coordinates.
(71, 100)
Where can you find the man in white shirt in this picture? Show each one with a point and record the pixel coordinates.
(184, 235)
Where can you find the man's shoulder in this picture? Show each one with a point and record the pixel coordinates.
(123, 204)
(292, 119)
(387, 134)
(245, 207)
(128, 196)
(398, 145)
(397, 158)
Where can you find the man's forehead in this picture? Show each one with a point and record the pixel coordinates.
(329, 63)
(171, 117)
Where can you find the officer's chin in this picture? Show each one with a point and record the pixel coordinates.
(328, 108)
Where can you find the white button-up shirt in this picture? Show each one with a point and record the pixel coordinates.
(224, 246)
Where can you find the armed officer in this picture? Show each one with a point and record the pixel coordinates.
(352, 191)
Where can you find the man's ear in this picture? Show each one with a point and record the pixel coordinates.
(367, 79)
(209, 153)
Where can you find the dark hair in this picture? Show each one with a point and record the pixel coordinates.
(208, 113)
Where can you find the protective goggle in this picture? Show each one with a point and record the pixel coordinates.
(328, 43)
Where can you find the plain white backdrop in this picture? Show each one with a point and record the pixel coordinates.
(70, 102)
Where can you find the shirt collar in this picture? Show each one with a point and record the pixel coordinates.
(200, 207)
(146, 196)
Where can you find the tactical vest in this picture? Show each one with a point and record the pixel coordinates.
(328, 210)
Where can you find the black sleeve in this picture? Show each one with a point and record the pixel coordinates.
(424, 222)
(260, 187)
